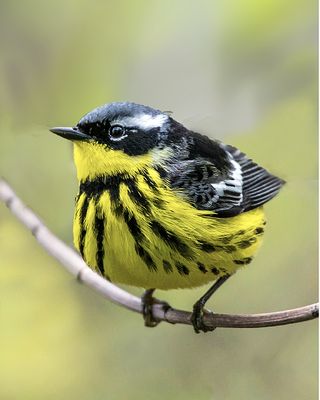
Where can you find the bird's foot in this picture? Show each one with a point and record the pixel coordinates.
(147, 302)
(197, 318)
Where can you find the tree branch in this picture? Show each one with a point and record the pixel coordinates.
(77, 267)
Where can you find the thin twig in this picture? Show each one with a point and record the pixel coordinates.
(77, 267)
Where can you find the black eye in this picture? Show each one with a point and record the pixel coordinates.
(116, 132)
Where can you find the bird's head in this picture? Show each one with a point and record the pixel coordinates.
(122, 138)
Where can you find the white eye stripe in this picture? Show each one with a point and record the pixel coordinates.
(144, 121)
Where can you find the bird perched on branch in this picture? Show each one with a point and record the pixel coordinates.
(163, 207)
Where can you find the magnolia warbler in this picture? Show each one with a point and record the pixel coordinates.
(163, 207)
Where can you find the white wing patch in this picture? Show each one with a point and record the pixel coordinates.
(247, 185)
(257, 185)
(229, 192)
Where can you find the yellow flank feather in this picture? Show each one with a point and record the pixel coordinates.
(134, 229)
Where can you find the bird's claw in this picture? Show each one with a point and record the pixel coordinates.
(147, 303)
(197, 319)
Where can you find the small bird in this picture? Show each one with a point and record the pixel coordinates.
(163, 207)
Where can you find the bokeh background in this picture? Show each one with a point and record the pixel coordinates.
(243, 71)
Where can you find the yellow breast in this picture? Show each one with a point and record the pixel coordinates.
(135, 230)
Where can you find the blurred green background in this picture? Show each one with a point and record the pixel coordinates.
(243, 71)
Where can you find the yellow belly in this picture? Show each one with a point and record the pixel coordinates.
(168, 244)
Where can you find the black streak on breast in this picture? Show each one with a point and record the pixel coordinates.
(99, 226)
(82, 216)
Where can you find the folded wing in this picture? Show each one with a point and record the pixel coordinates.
(248, 185)
(222, 179)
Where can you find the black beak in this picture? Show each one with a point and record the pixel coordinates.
(70, 133)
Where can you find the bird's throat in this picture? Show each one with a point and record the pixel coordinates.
(93, 159)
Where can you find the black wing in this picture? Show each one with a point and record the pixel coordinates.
(257, 185)
(221, 178)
